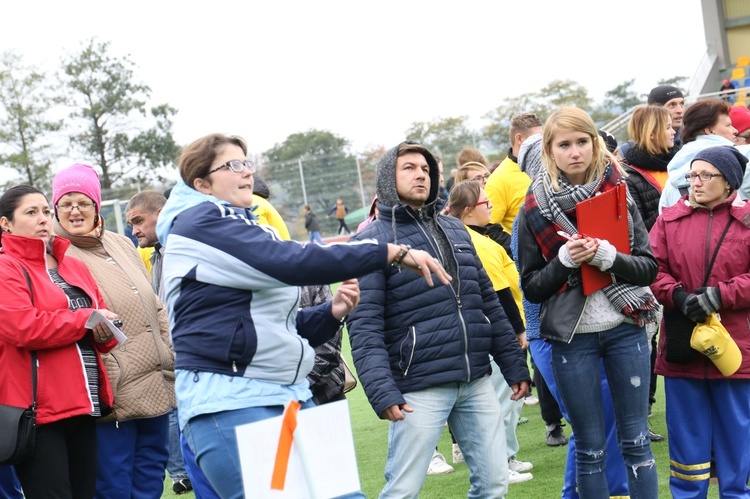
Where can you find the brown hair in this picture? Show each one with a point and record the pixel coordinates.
(195, 160)
(470, 155)
(648, 128)
(148, 201)
(523, 123)
(413, 147)
(701, 115)
(464, 195)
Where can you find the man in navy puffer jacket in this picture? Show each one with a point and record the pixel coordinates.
(423, 353)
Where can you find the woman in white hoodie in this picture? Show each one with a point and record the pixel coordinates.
(706, 124)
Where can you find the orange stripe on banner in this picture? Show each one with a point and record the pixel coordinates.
(288, 425)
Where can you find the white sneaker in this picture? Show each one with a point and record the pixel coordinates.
(519, 466)
(458, 456)
(516, 477)
(438, 466)
(530, 400)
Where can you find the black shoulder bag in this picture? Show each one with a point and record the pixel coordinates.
(678, 328)
(17, 425)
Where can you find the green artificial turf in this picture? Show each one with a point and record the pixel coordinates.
(371, 433)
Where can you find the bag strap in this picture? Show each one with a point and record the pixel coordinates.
(33, 352)
(716, 252)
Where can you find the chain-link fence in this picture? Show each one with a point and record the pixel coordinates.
(316, 180)
(319, 181)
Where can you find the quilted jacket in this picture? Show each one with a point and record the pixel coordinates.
(407, 336)
(141, 370)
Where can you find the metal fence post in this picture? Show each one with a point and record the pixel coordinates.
(302, 180)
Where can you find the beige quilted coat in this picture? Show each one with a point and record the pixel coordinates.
(142, 370)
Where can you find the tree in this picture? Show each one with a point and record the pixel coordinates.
(26, 100)
(329, 172)
(110, 106)
(559, 93)
(617, 101)
(442, 136)
(676, 81)
(496, 133)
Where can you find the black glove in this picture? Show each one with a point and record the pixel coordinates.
(679, 297)
(707, 301)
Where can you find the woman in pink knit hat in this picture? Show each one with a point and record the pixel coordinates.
(132, 441)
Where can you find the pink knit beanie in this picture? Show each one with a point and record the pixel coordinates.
(77, 178)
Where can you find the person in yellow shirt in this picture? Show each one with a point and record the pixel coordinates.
(472, 165)
(264, 210)
(506, 188)
(470, 204)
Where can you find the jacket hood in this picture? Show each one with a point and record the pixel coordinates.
(180, 199)
(386, 177)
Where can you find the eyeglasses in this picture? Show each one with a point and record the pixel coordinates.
(67, 208)
(482, 177)
(745, 137)
(486, 201)
(236, 166)
(705, 177)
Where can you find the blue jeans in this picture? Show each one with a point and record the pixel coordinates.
(213, 440)
(175, 464)
(316, 236)
(617, 479)
(509, 409)
(625, 352)
(473, 414)
(201, 486)
(10, 487)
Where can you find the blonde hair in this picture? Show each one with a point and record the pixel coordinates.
(648, 128)
(466, 172)
(464, 195)
(575, 120)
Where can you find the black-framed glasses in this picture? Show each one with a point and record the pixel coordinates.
(236, 166)
(67, 207)
(705, 177)
(483, 178)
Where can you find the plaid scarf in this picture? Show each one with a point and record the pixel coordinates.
(548, 211)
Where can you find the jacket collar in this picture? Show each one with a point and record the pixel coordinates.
(32, 248)
(737, 207)
(402, 212)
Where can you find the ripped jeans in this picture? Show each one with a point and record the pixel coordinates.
(576, 368)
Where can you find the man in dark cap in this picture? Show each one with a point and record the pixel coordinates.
(671, 99)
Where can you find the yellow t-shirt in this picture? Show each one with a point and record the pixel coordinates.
(267, 215)
(499, 267)
(146, 256)
(506, 189)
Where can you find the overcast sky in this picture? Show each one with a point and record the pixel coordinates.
(364, 70)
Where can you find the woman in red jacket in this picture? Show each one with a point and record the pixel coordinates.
(48, 315)
(702, 246)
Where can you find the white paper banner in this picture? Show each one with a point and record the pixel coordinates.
(323, 437)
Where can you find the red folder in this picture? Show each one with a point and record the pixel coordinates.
(604, 216)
